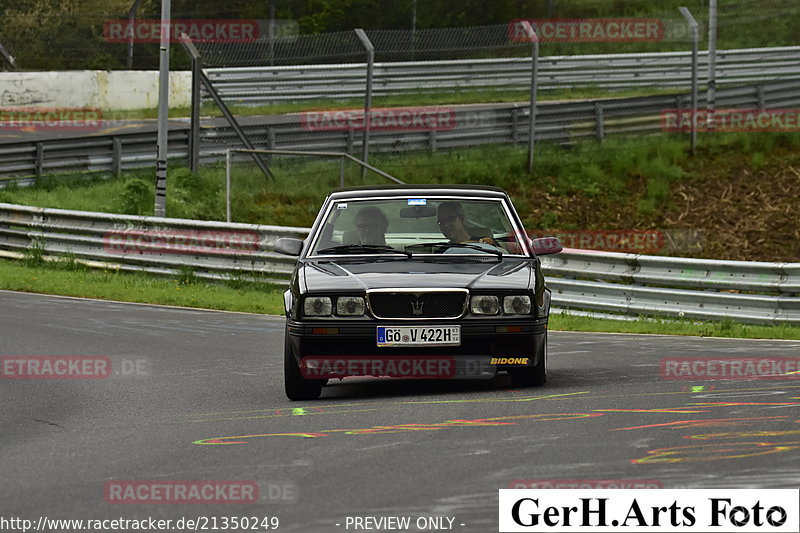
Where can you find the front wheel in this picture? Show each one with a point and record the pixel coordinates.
(296, 386)
(532, 376)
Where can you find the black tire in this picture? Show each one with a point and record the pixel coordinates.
(296, 386)
(532, 376)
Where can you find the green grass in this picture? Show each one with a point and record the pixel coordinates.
(67, 277)
(638, 170)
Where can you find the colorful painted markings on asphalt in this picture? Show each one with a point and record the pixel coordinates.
(746, 442)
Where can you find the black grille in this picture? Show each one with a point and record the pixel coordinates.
(417, 304)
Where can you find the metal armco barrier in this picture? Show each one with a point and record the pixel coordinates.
(266, 85)
(629, 284)
(475, 125)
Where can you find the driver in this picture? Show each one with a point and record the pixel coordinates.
(450, 217)
(371, 225)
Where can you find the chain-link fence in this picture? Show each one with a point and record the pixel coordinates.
(613, 87)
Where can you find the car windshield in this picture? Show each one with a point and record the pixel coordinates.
(460, 226)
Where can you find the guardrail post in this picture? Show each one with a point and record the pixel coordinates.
(116, 159)
(350, 140)
(598, 118)
(695, 44)
(39, 167)
(362, 36)
(270, 143)
(762, 97)
(514, 126)
(341, 171)
(432, 140)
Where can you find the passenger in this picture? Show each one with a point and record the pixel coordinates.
(450, 217)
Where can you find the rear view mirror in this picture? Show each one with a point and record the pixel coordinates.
(418, 211)
(288, 246)
(546, 245)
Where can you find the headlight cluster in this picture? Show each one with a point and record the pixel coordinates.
(323, 306)
(486, 304)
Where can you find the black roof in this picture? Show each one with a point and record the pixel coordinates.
(483, 191)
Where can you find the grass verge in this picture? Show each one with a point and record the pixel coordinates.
(66, 277)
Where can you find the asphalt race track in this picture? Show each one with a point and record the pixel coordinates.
(198, 395)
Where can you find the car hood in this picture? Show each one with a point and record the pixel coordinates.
(357, 276)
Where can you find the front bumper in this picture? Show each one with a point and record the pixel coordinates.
(507, 342)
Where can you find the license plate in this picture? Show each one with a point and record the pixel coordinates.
(419, 336)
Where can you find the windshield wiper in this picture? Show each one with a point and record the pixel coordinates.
(363, 248)
(445, 245)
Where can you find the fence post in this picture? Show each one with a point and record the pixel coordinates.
(160, 209)
(534, 89)
(712, 62)
(131, 22)
(228, 185)
(362, 36)
(693, 25)
(192, 50)
(8, 56)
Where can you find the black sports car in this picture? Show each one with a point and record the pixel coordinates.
(416, 282)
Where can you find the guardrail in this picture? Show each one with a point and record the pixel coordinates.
(267, 85)
(475, 125)
(627, 284)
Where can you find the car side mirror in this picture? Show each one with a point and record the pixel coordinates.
(288, 246)
(546, 245)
